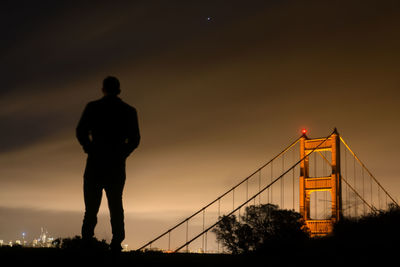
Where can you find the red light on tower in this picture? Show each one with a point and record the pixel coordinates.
(304, 131)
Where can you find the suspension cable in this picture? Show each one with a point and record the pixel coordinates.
(348, 184)
(373, 177)
(221, 196)
(355, 191)
(255, 195)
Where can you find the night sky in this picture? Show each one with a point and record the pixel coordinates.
(220, 88)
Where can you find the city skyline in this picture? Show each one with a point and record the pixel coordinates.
(42, 240)
(220, 88)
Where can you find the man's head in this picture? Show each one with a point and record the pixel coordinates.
(111, 86)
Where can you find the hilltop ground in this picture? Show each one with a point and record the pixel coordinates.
(319, 252)
(371, 240)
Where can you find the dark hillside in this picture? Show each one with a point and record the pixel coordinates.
(370, 240)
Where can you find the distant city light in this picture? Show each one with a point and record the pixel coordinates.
(44, 240)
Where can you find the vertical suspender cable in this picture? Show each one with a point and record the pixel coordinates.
(223, 195)
(293, 179)
(345, 174)
(316, 192)
(204, 215)
(293, 189)
(205, 249)
(326, 192)
(282, 184)
(386, 201)
(219, 215)
(247, 190)
(252, 198)
(379, 198)
(363, 189)
(169, 241)
(372, 176)
(266, 178)
(233, 199)
(187, 235)
(372, 200)
(355, 187)
(259, 188)
(272, 174)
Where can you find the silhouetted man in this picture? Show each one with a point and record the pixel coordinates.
(108, 132)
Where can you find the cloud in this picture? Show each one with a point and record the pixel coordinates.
(140, 227)
(215, 100)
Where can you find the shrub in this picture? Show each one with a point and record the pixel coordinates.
(261, 227)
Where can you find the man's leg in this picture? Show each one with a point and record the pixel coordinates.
(92, 193)
(114, 197)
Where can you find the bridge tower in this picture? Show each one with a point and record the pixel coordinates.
(311, 184)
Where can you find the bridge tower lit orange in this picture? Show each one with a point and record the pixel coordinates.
(311, 184)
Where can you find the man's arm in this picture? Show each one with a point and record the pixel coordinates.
(83, 130)
(133, 139)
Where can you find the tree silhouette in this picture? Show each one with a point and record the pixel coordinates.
(381, 227)
(259, 228)
(76, 243)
